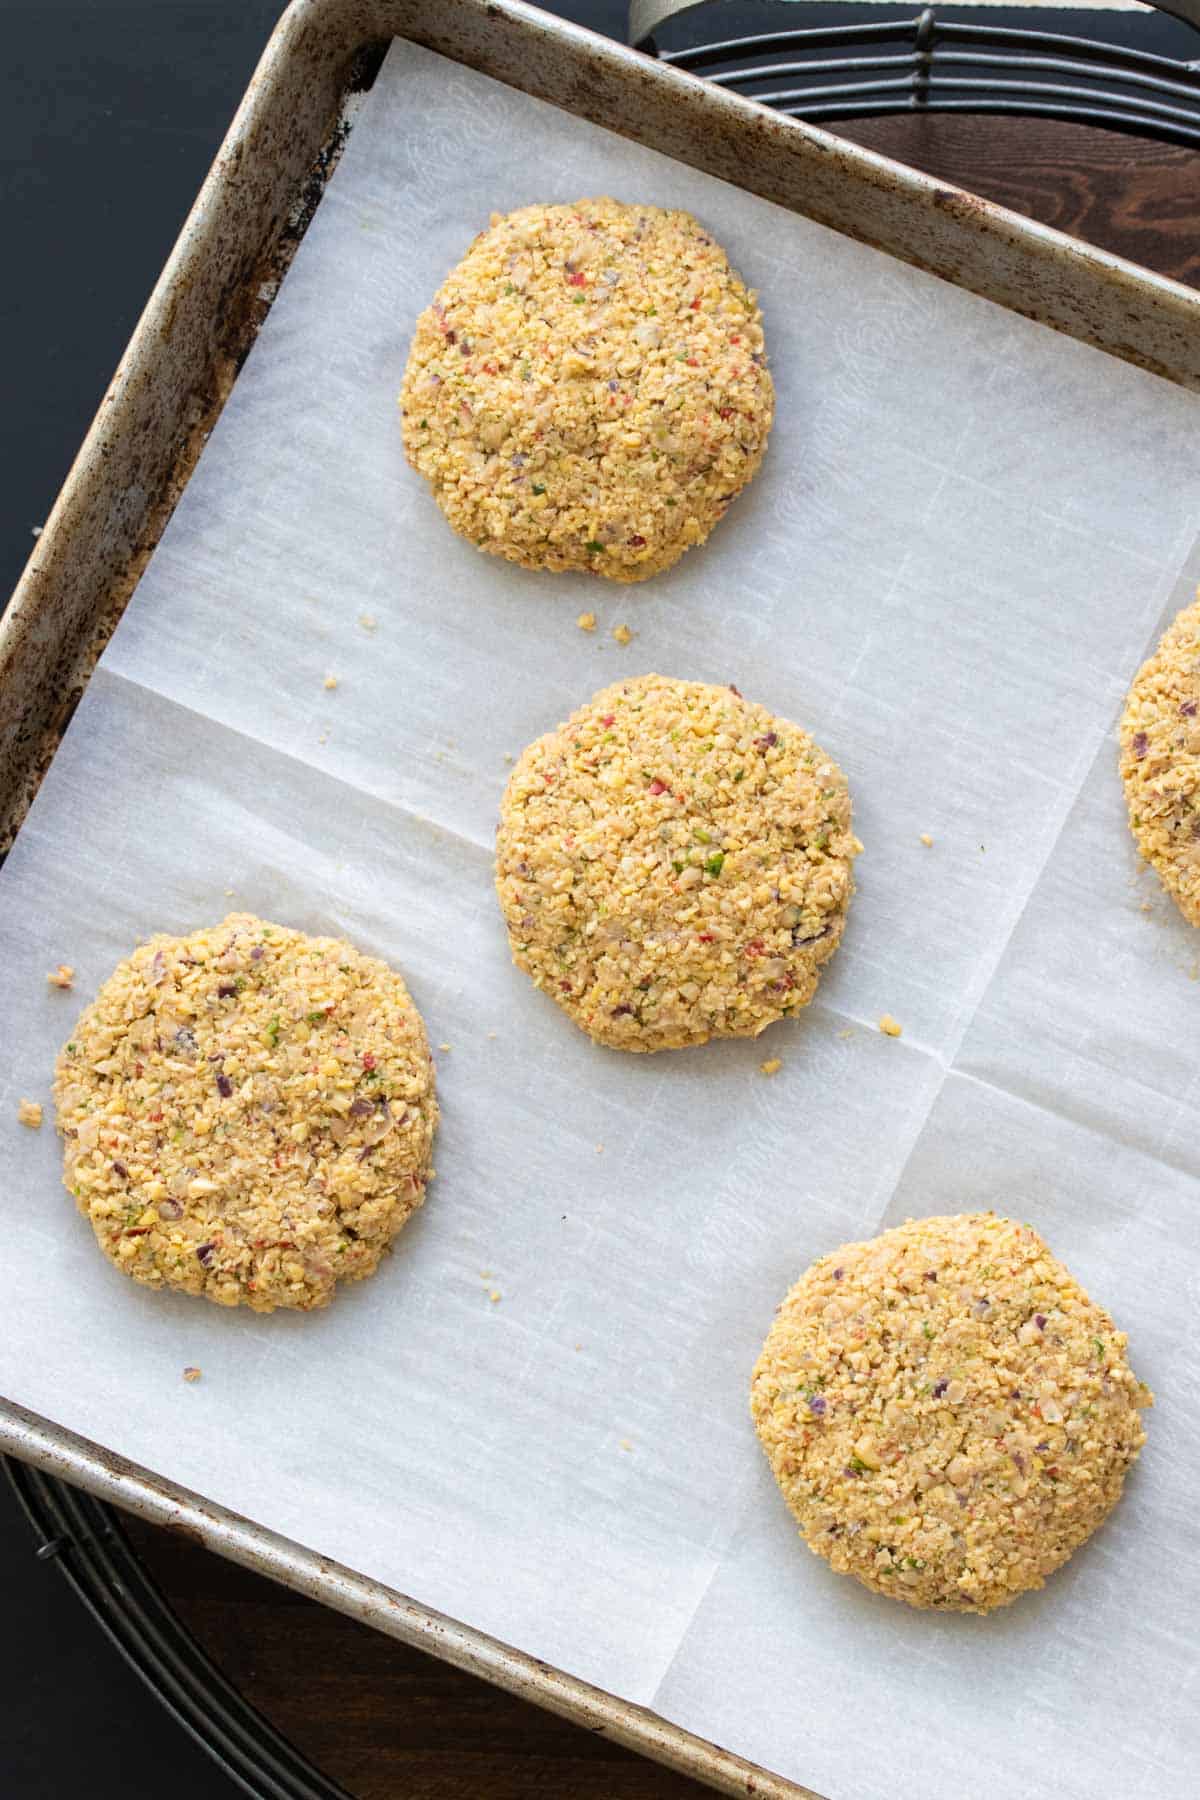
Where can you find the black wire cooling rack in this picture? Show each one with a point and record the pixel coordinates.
(840, 64)
(85, 1541)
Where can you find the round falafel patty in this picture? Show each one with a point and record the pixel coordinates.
(674, 864)
(588, 389)
(947, 1413)
(247, 1113)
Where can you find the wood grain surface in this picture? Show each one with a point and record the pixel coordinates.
(390, 1723)
(1127, 194)
(387, 1722)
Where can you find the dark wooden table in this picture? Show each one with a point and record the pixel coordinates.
(390, 1723)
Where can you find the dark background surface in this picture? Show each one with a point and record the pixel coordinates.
(74, 1721)
(111, 113)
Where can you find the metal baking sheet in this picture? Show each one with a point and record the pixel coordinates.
(674, 1548)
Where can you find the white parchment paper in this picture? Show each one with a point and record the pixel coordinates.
(966, 534)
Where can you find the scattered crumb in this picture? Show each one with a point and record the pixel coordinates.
(890, 1027)
(772, 1065)
(1147, 906)
(191, 1373)
(29, 1112)
(625, 1444)
(62, 977)
(368, 621)
(485, 1274)
(229, 893)
(579, 1346)
(331, 681)
(491, 1034)
(622, 634)
(36, 530)
(927, 840)
(324, 738)
(508, 756)
(586, 621)
(849, 1032)
(494, 1295)
(443, 1046)
(599, 1149)
(983, 849)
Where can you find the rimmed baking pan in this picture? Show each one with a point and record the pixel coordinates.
(181, 366)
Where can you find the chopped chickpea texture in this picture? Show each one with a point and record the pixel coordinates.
(247, 1114)
(674, 864)
(589, 388)
(947, 1413)
(1160, 761)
